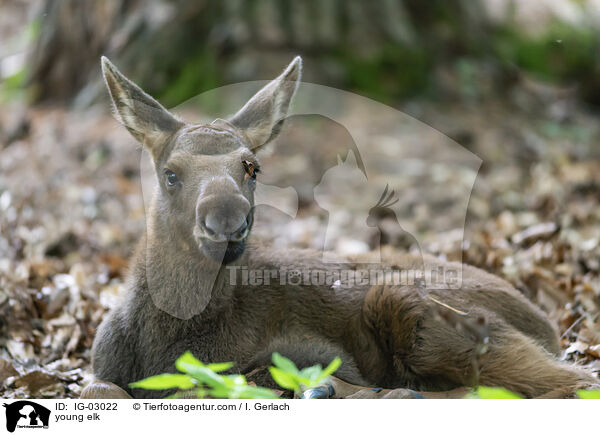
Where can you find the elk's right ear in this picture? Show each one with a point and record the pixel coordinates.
(144, 117)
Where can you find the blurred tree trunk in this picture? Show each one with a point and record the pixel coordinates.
(73, 34)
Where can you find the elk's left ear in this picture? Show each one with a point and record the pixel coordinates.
(261, 117)
(144, 117)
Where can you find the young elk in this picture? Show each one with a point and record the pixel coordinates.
(182, 297)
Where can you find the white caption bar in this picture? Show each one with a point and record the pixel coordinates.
(296, 416)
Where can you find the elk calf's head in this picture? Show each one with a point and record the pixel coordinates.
(206, 173)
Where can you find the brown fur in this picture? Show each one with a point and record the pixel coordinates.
(387, 336)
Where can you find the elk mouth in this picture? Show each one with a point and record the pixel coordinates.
(223, 252)
(224, 248)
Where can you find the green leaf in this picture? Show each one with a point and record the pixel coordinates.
(189, 359)
(236, 380)
(284, 379)
(331, 368)
(311, 374)
(220, 367)
(203, 374)
(220, 392)
(165, 381)
(588, 394)
(494, 393)
(284, 364)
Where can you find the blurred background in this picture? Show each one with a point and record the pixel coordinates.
(516, 83)
(388, 50)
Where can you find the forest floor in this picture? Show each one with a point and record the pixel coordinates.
(72, 209)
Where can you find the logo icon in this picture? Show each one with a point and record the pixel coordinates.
(26, 414)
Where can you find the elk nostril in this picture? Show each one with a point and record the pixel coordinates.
(243, 227)
(241, 232)
(205, 227)
(213, 225)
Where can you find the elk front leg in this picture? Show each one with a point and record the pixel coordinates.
(113, 358)
(338, 389)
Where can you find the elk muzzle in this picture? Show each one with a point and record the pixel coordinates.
(222, 224)
(223, 218)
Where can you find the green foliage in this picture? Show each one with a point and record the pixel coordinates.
(570, 132)
(588, 394)
(165, 381)
(13, 83)
(204, 380)
(492, 393)
(13, 87)
(562, 52)
(502, 393)
(392, 71)
(197, 73)
(287, 375)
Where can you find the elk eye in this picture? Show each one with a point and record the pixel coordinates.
(172, 179)
(251, 170)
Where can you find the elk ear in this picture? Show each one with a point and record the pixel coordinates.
(148, 121)
(262, 116)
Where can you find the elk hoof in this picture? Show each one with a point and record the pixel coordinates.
(103, 390)
(320, 392)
